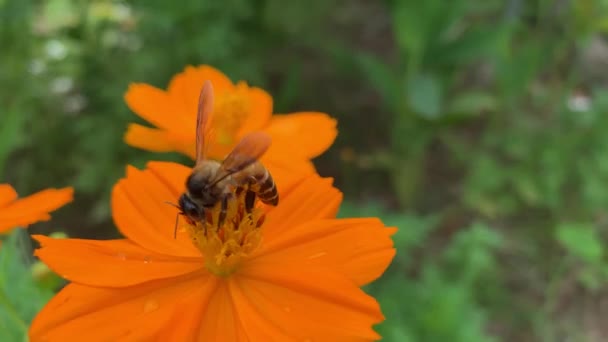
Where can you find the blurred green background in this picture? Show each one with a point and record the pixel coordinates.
(479, 128)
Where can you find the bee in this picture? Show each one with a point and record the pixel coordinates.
(212, 182)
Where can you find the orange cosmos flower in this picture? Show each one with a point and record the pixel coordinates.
(295, 275)
(239, 109)
(31, 209)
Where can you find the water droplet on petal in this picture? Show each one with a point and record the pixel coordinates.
(121, 256)
(147, 259)
(150, 306)
(287, 309)
(317, 255)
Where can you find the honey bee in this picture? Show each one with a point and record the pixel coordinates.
(212, 182)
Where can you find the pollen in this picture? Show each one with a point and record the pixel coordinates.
(224, 247)
(231, 110)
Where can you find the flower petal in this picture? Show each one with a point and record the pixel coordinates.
(113, 263)
(34, 208)
(172, 175)
(185, 87)
(7, 194)
(312, 198)
(184, 142)
(359, 248)
(188, 315)
(254, 321)
(141, 212)
(305, 134)
(260, 110)
(306, 302)
(135, 313)
(220, 321)
(287, 172)
(146, 138)
(156, 106)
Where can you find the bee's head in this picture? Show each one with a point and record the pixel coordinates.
(201, 190)
(190, 209)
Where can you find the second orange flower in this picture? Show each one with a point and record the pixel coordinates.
(239, 109)
(22, 212)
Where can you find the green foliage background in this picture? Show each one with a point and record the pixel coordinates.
(476, 127)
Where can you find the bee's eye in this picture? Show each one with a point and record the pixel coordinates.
(192, 211)
(188, 207)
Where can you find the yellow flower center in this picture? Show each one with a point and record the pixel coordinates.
(224, 247)
(230, 111)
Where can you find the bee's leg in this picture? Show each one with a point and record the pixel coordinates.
(224, 208)
(249, 201)
(239, 191)
(206, 218)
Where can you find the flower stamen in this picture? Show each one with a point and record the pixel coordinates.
(224, 247)
(230, 112)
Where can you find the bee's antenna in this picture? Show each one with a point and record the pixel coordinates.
(175, 229)
(173, 204)
(176, 218)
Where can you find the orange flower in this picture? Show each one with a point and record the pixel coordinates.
(239, 109)
(31, 209)
(294, 276)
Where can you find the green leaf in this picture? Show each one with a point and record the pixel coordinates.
(591, 279)
(425, 95)
(289, 90)
(20, 295)
(419, 25)
(410, 29)
(581, 240)
(477, 43)
(430, 308)
(472, 251)
(10, 134)
(382, 78)
(60, 13)
(473, 103)
(516, 70)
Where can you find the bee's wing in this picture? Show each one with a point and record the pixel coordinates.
(205, 108)
(245, 153)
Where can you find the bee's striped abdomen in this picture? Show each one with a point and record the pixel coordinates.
(268, 191)
(265, 188)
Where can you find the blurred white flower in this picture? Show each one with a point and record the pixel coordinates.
(121, 12)
(61, 85)
(579, 102)
(74, 104)
(56, 49)
(36, 67)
